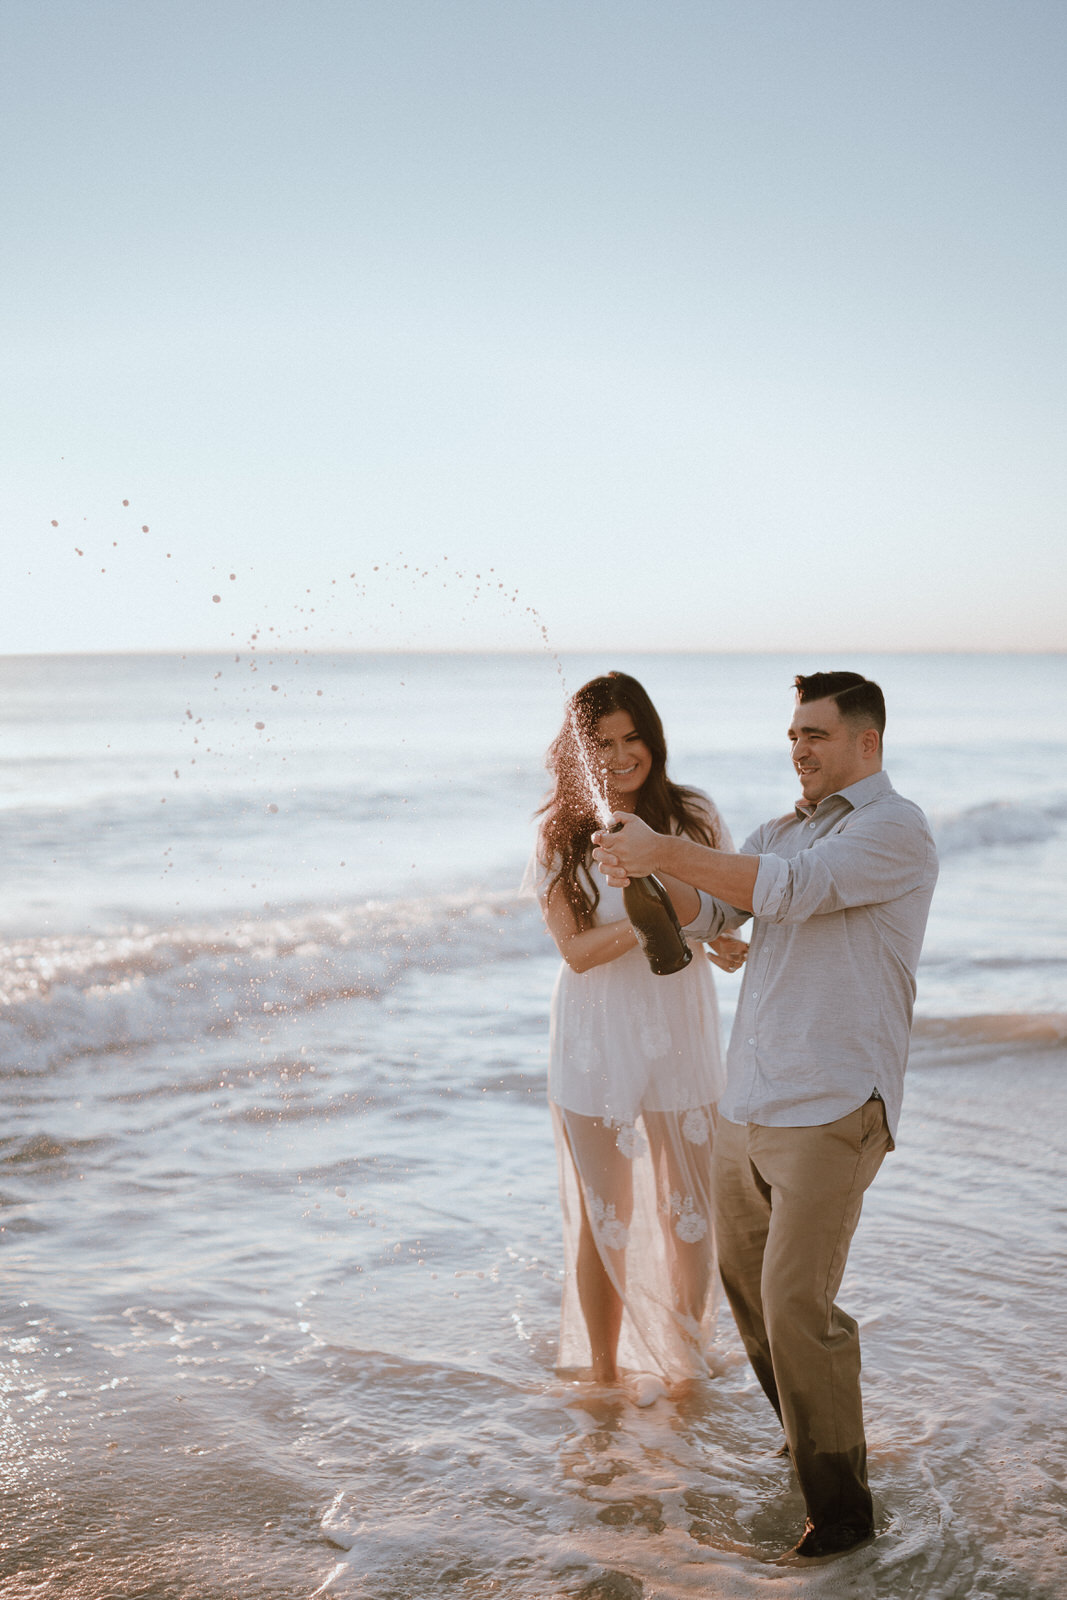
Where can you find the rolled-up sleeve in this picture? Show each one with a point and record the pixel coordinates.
(772, 881)
(713, 918)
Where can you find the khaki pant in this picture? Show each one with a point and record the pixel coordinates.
(787, 1202)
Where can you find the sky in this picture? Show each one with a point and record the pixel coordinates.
(464, 324)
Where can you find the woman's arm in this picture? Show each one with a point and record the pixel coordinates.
(684, 899)
(583, 948)
(592, 947)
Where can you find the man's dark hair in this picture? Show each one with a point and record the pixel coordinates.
(857, 698)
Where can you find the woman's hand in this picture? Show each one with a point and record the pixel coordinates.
(727, 952)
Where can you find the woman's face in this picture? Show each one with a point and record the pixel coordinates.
(621, 754)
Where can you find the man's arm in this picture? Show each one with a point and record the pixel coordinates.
(635, 850)
(878, 855)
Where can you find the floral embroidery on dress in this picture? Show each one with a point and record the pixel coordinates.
(689, 1327)
(629, 1142)
(690, 1225)
(695, 1125)
(609, 1230)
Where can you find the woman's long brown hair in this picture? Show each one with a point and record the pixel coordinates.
(570, 819)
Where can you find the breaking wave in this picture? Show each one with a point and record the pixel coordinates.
(998, 822)
(995, 1028)
(62, 996)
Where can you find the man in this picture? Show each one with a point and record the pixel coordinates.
(840, 889)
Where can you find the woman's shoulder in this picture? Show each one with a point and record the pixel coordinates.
(702, 808)
(697, 802)
(697, 797)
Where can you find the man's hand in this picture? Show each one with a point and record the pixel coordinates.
(632, 852)
(636, 850)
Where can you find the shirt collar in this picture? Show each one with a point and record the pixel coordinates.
(858, 794)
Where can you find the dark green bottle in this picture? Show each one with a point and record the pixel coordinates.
(655, 922)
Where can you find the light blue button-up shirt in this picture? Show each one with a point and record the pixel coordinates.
(840, 905)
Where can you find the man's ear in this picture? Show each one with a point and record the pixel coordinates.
(870, 743)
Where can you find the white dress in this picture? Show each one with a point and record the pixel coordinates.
(635, 1069)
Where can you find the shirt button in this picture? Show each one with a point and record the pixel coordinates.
(755, 994)
(811, 824)
(752, 1041)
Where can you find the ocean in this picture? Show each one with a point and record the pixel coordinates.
(280, 1254)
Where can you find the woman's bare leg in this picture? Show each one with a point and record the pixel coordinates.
(601, 1305)
(683, 1173)
(605, 1184)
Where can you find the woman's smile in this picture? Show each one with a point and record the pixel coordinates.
(622, 755)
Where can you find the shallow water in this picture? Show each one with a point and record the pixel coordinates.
(280, 1231)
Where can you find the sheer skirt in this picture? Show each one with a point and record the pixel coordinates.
(645, 1189)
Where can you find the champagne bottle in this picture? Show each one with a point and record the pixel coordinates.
(655, 922)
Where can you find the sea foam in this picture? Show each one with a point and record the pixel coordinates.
(67, 995)
(998, 822)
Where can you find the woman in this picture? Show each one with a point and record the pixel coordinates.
(635, 1062)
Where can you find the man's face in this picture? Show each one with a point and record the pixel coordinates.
(828, 751)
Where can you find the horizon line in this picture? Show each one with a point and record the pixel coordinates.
(502, 650)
